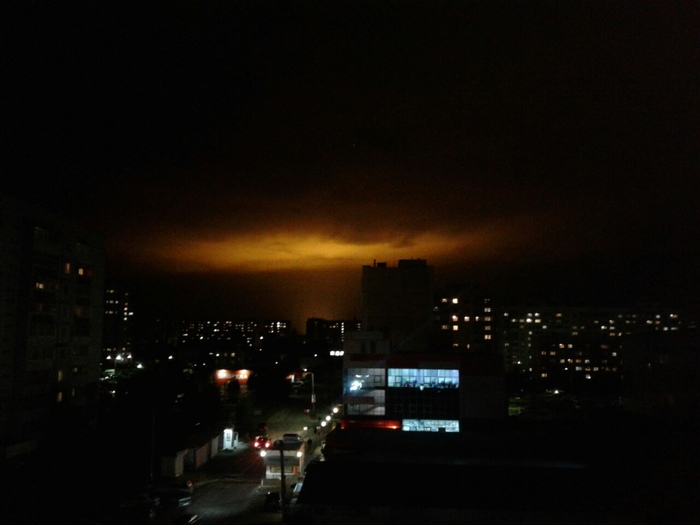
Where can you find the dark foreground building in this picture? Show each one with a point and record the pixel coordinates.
(618, 472)
(51, 320)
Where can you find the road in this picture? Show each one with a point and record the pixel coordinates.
(232, 488)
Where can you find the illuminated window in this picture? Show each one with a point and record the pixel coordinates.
(455, 328)
(455, 300)
(423, 378)
(430, 425)
(365, 378)
(487, 336)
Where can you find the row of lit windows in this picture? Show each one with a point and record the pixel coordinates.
(455, 328)
(468, 318)
(422, 378)
(430, 425)
(365, 378)
(545, 375)
(455, 300)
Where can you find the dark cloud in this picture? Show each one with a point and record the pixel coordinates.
(513, 143)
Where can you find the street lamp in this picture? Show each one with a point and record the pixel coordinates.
(313, 395)
(313, 392)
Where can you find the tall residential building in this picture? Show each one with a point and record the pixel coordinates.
(398, 301)
(51, 321)
(327, 337)
(118, 328)
(581, 350)
(465, 320)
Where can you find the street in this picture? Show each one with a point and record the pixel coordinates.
(231, 488)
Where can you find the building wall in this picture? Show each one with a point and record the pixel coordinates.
(118, 327)
(51, 321)
(398, 301)
(585, 350)
(465, 320)
(426, 392)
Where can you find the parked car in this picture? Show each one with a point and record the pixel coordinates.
(291, 439)
(262, 443)
(182, 484)
(174, 497)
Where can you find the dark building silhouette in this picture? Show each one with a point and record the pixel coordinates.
(398, 301)
(51, 321)
(118, 333)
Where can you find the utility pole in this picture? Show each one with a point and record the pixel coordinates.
(283, 484)
(313, 395)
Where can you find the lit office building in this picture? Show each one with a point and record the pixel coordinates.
(395, 374)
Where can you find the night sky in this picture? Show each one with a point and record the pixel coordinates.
(245, 159)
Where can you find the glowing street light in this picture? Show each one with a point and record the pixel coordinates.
(313, 392)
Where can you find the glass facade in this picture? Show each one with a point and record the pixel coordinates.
(430, 425)
(425, 399)
(423, 378)
(362, 378)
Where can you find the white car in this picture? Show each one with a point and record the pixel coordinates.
(291, 439)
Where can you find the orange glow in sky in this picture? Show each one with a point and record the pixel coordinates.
(297, 250)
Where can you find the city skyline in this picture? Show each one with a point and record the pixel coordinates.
(246, 159)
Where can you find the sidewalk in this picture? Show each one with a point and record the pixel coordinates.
(217, 467)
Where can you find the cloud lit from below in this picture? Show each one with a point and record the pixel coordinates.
(271, 252)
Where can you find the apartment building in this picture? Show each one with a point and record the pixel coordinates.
(51, 322)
